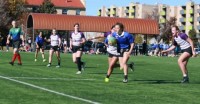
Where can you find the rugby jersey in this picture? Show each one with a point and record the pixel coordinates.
(77, 38)
(181, 41)
(54, 40)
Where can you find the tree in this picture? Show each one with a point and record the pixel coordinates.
(4, 11)
(165, 30)
(138, 38)
(47, 7)
(192, 35)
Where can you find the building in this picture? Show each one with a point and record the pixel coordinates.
(188, 16)
(69, 7)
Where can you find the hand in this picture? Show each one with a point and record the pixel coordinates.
(8, 42)
(193, 54)
(163, 52)
(23, 44)
(70, 47)
(37, 46)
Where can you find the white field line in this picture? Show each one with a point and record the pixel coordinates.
(38, 78)
(48, 90)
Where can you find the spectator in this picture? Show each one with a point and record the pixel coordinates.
(144, 47)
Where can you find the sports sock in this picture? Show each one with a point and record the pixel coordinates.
(19, 58)
(14, 57)
(78, 60)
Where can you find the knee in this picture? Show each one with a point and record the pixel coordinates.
(180, 61)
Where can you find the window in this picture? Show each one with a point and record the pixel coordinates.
(78, 12)
(64, 11)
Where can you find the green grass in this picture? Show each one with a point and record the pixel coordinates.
(154, 81)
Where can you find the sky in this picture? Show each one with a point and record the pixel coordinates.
(92, 6)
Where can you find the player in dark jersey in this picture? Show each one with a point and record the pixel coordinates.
(39, 46)
(16, 35)
(77, 40)
(187, 47)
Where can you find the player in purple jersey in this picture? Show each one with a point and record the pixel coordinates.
(16, 35)
(39, 46)
(77, 41)
(187, 47)
(55, 47)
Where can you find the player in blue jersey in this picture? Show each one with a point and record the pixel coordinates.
(16, 35)
(39, 46)
(125, 44)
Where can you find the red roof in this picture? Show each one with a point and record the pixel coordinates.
(59, 3)
(90, 23)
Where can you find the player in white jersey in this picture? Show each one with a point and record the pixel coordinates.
(55, 47)
(77, 41)
(187, 48)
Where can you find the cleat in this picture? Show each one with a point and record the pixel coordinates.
(83, 66)
(11, 63)
(49, 65)
(106, 79)
(78, 72)
(58, 66)
(131, 66)
(185, 80)
(125, 80)
(35, 60)
(44, 60)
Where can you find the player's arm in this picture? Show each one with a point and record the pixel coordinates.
(59, 42)
(70, 43)
(22, 38)
(36, 42)
(171, 48)
(8, 39)
(192, 45)
(83, 38)
(131, 41)
(97, 37)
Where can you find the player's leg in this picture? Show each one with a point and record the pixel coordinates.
(125, 59)
(51, 51)
(36, 53)
(58, 57)
(112, 62)
(182, 62)
(42, 52)
(78, 60)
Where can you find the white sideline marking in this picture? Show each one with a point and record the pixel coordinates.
(51, 78)
(48, 90)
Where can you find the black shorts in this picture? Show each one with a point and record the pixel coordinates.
(55, 48)
(40, 46)
(188, 50)
(121, 51)
(16, 44)
(111, 55)
(77, 48)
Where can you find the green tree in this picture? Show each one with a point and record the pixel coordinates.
(193, 36)
(165, 30)
(47, 7)
(138, 38)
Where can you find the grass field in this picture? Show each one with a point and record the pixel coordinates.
(154, 81)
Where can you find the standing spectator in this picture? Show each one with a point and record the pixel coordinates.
(29, 43)
(65, 45)
(144, 47)
(136, 49)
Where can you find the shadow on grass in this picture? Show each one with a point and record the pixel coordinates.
(157, 81)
